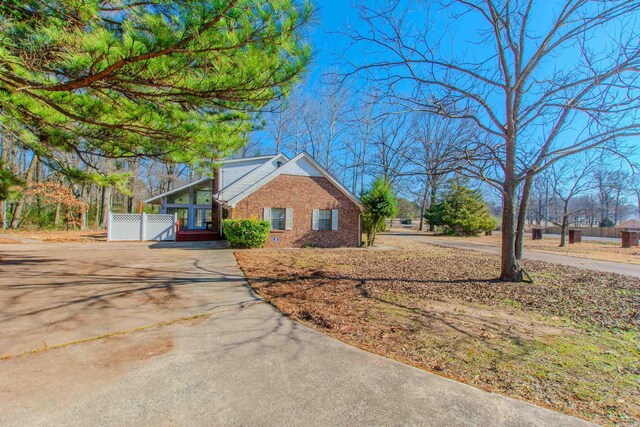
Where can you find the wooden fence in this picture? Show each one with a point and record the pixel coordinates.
(588, 231)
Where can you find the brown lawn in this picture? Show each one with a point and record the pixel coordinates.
(570, 341)
(4, 241)
(79, 236)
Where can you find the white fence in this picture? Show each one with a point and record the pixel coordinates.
(141, 226)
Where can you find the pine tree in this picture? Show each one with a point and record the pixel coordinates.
(461, 211)
(177, 80)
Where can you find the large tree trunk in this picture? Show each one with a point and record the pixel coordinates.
(563, 229)
(511, 270)
(423, 207)
(522, 214)
(17, 213)
(510, 267)
(432, 200)
(83, 214)
(56, 217)
(96, 219)
(106, 206)
(4, 157)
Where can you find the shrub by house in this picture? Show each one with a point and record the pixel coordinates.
(246, 233)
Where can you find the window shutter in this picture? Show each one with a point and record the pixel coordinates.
(334, 219)
(288, 218)
(316, 219)
(266, 215)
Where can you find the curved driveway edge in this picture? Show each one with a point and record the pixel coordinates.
(245, 366)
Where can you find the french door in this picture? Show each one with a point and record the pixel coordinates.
(202, 218)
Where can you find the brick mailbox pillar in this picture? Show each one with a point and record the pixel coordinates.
(536, 233)
(630, 238)
(575, 236)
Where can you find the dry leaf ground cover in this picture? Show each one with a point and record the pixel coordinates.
(59, 236)
(570, 341)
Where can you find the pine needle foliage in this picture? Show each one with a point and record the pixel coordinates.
(179, 80)
(461, 211)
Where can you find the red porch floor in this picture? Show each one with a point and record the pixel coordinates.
(196, 235)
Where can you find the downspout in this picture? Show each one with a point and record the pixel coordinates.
(220, 211)
(360, 229)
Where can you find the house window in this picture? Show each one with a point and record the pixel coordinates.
(277, 218)
(324, 219)
(203, 196)
(178, 198)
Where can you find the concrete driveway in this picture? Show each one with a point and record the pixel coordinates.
(52, 294)
(218, 355)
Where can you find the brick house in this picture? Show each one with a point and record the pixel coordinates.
(303, 202)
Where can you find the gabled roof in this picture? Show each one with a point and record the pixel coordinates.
(262, 175)
(207, 178)
(246, 159)
(249, 179)
(289, 167)
(177, 190)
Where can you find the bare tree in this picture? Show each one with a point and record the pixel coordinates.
(282, 124)
(323, 122)
(435, 155)
(358, 143)
(536, 91)
(539, 204)
(619, 184)
(634, 187)
(390, 148)
(569, 178)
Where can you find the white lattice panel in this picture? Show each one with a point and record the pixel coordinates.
(125, 218)
(141, 227)
(164, 218)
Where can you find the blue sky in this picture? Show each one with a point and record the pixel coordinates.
(333, 17)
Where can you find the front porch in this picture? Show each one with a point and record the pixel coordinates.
(197, 235)
(197, 212)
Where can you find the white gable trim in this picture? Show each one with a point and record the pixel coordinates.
(176, 190)
(283, 171)
(245, 159)
(200, 181)
(220, 195)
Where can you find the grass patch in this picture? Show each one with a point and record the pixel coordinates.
(569, 342)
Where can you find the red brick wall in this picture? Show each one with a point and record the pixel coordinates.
(303, 194)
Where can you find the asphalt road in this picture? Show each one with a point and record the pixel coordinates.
(584, 263)
(585, 238)
(243, 363)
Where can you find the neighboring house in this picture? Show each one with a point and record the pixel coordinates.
(303, 202)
